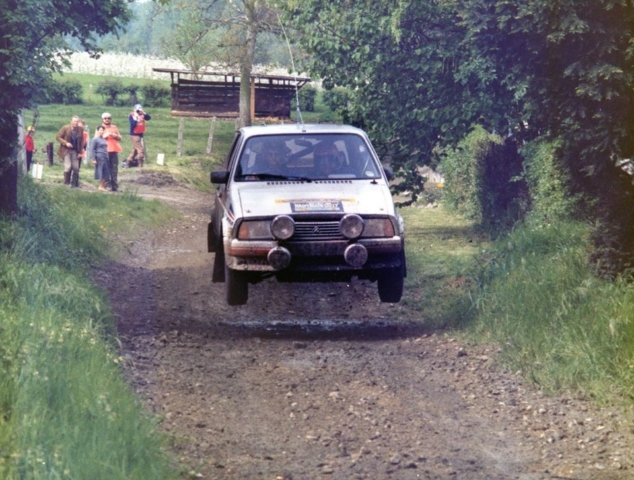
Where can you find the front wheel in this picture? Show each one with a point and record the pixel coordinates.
(236, 287)
(218, 272)
(390, 283)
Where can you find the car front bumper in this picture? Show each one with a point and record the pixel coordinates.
(320, 256)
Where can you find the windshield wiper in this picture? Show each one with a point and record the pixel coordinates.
(275, 176)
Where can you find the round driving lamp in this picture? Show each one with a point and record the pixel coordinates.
(279, 258)
(283, 227)
(356, 255)
(351, 226)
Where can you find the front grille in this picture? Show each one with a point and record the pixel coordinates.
(311, 231)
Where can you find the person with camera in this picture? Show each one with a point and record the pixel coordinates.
(137, 119)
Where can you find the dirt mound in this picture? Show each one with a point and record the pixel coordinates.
(153, 179)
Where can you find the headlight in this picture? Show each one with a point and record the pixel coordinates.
(378, 227)
(283, 227)
(351, 226)
(255, 230)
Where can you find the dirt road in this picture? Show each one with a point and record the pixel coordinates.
(324, 381)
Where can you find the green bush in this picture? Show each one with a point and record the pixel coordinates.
(307, 95)
(483, 180)
(110, 91)
(336, 99)
(547, 182)
(133, 97)
(155, 95)
(66, 92)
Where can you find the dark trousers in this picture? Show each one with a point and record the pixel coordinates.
(113, 158)
(29, 160)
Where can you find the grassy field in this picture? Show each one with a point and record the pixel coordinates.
(161, 137)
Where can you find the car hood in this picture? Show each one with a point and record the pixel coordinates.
(332, 196)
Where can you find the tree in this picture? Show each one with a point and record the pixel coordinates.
(412, 83)
(571, 65)
(234, 27)
(31, 47)
(422, 73)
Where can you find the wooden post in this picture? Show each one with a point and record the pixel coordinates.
(252, 106)
(21, 160)
(181, 127)
(210, 140)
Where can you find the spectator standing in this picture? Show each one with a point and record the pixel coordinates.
(137, 119)
(100, 158)
(81, 156)
(71, 144)
(113, 138)
(29, 145)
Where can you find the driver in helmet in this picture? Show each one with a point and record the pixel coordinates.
(274, 158)
(327, 159)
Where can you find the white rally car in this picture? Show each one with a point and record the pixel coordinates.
(305, 203)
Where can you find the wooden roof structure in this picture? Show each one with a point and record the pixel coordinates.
(218, 95)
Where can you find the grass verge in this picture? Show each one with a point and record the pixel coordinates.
(440, 248)
(563, 328)
(66, 411)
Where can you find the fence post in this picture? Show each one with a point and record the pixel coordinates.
(210, 140)
(50, 153)
(181, 127)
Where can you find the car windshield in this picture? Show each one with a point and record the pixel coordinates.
(306, 157)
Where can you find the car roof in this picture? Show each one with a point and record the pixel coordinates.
(299, 129)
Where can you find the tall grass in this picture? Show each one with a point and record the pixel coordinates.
(65, 410)
(557, 323)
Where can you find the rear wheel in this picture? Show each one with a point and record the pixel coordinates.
(236, 287)
(390, 284)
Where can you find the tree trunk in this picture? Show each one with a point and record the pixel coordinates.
(8, 187)
(8, 164)
(247, 66)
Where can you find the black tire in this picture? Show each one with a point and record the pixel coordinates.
(218, 274)
(236, 287)
(212, 242)
(390, 283)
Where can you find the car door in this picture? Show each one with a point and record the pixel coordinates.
(215, 230)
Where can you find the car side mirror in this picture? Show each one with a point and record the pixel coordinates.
(389, 173)
(219, 176)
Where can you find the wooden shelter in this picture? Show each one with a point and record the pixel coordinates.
(218, 94)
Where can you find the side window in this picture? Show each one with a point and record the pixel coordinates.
(248, 158)
(232, 151)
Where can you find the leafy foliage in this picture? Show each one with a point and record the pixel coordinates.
(482, 183)
(421, 73)
(571, 66)
(307, 95)
(406, 72)
(548, 182)
(66, 92)
(155, 94)
(337, 99)
(110, 91)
